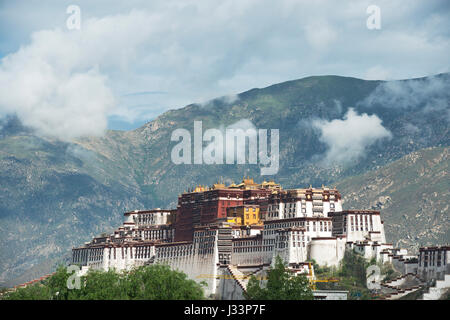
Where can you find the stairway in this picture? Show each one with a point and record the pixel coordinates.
(237, 276)
(436, 292)
(401, 286)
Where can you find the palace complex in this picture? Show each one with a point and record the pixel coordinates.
(223, 234)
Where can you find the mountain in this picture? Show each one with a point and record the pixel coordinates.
(55, 194)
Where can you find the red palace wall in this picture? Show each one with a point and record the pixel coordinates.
(200, 208)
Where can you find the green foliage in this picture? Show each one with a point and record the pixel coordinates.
(254, 290)
(156, 282)
(354, 266)
(326, 270)
(31, 292)
(313, 263)
(281, 285)
(57, 284)
(100, 285)
(388, 271)
(351, 274)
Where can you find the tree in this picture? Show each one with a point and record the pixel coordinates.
(57, 284)
(281, 285)
(52, 288)
(101, 285)
(155, 282)
(159, 282)
(31, 292)
(354, 265)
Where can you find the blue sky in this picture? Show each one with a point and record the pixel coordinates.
(130, 61)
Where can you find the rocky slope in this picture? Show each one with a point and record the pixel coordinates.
(413, 194)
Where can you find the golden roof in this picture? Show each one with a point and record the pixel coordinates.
(246, 184)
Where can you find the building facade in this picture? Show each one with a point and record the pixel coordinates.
(224, 233)
(433, 263)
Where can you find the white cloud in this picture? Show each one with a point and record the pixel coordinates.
(56, 84)
(229, 98)
(348, 139)
(243, 124)
(199, 50)
(226, 99)
(431, 93)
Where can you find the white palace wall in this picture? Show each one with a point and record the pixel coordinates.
(327, 251)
